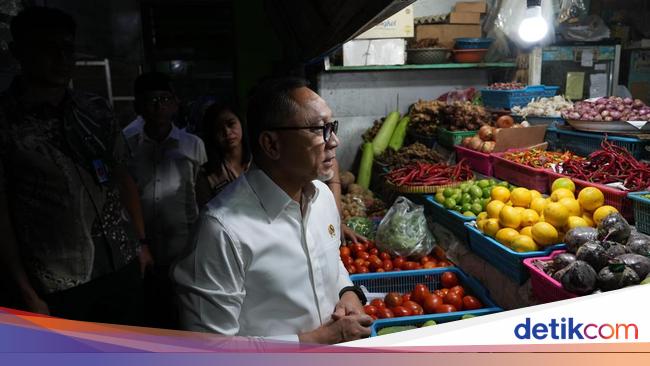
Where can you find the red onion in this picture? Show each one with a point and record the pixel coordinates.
(601, 101)
(620, 107)
(615, 115)
(604, 113)
(638, 103)
(628, 100)
(608, 118)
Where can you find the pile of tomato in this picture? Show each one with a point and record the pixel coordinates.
(448, 299)
(366, 258)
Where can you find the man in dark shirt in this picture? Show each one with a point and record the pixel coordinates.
(69, 248)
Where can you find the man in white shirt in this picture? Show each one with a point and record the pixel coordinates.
(164, 163)
(265, 260)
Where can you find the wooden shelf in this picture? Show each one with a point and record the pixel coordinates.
(485, 65)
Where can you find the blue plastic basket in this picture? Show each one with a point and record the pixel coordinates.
(438, 318)
(449, 219)
(641, 211)
(472, 43)
(503, 258)
(403, 282)
(535, 120)
(584, 143)
(518, 97)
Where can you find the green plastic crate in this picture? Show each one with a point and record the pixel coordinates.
(449, 139)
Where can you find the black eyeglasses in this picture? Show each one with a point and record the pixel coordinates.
(328, 128)
(161, 100)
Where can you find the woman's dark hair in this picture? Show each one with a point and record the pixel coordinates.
(41, 18)
(208, 132)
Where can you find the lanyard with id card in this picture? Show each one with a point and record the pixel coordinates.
(101, 172)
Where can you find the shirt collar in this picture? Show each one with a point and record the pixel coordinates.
(273, 199)
(174, 134)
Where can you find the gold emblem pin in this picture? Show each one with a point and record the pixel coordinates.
(331, 230)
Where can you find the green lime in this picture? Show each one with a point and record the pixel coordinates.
(457, 196)
(476, 191)
(493, 182)
(483, 183)
(429, 323)
(458, 208)
(464, 186)
(440, 198)
(468, 316)
(450, 203)
(503, 184)
(469, 214)
(486, 192)
(448, 192)
(466, 207)
(477, 208)
(485, 202)
(457, 191)
(466, 198)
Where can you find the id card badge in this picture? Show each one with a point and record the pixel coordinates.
(100, 171)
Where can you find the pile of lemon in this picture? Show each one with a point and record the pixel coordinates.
(525, 221)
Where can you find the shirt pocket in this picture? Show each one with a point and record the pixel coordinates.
(330, 255)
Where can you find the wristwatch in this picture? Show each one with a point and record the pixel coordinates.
(141, 242)
(357, 290)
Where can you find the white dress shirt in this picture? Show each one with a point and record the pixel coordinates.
(259, 266)
(165, 173)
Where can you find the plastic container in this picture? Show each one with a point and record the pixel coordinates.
(519, 174)
(613, 197)
(584, 143)
(450, 139)
(469, 56)
(478, 161)
(438, 318)
(545, 288)
(402, 282)
(449, 219)
(641, 211)
(538, 121)
(472, 43)
(516, 97)
(503, 258)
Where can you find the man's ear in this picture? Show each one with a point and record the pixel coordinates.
(270, 144)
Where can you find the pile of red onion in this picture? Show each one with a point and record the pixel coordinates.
(608, 109)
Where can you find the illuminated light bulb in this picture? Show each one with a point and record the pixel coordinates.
(534, 27)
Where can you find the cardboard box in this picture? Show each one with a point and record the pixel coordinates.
(519, 138)
(459, 17)
(370, 52)
(445, 33)
(472, 7)
(399, 25)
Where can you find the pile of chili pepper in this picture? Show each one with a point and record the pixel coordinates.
(541, 159)
(427, 174)
(611, 164)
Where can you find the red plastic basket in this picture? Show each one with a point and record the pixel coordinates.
(518, 174)
(545, 288)
(613, 197)
(478, 161)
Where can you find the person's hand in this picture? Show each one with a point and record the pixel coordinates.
(35, 304)
(145, 258)
(345, 329)
(348, 305)
(351, 236)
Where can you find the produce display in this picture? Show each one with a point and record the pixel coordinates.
(611, 164)
(426, 116)
(414, 153)
(401, 328)
(506, 86)
(608, 109)
(484, 141)
(360, 202)
(367, 258)
(470, 198)
(370, 133)
(540, 158)
(605, 258)
(380, 142)
(451, 297)
(465, 116)
(427, 174)
(525, 221)
(544, 107)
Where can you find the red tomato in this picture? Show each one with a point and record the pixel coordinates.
(459, 290)
(393, 299)
(363, 269)
(395, 269)
(351, 269)
(408, 266)
(384, 256)
(430, 302)
(362, 255)
(419, 293)
(388, 265)
(370, 309)
(398, 261)
(449, 280)
(371, 245)
(358, 247)
(439, 253)
(375, 259)
(359, 261)
(439, 293)
(425, 259)
(380, 270)
(405, 298)
(378, 303)
(345, 251)
(452, 298)
(385, 313)
(471, 303)
(400, 311)
(413, 307)
(430, 264)
(418, 266)
(366, 263)
(445, 308)
(445, 291)
(445, 263)
(373, 251)
(347, 261)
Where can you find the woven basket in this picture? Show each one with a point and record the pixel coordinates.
(421, 56)
(419, 189)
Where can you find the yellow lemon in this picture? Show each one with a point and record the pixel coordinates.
(480, 224)
(591, 198)
(560, 193)
(602, 212)
(509, 203)
(494, 208)
(529, 217)
(519, 210)
(482, 216)
(575, 221)
(534, 194)
(538, 204)
(520, 197)
(544, 234)
(556, 214)
(528, 231)
(588, 218)
(500, 193)
(563, 183)
(508, 217)
(572, 205)
(523, 243)
(491, 227)
(506, 235)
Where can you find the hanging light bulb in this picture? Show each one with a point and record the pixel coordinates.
(534, 27)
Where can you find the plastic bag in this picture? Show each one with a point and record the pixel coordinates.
(404, 231)
(587, 29)
(571, 9)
